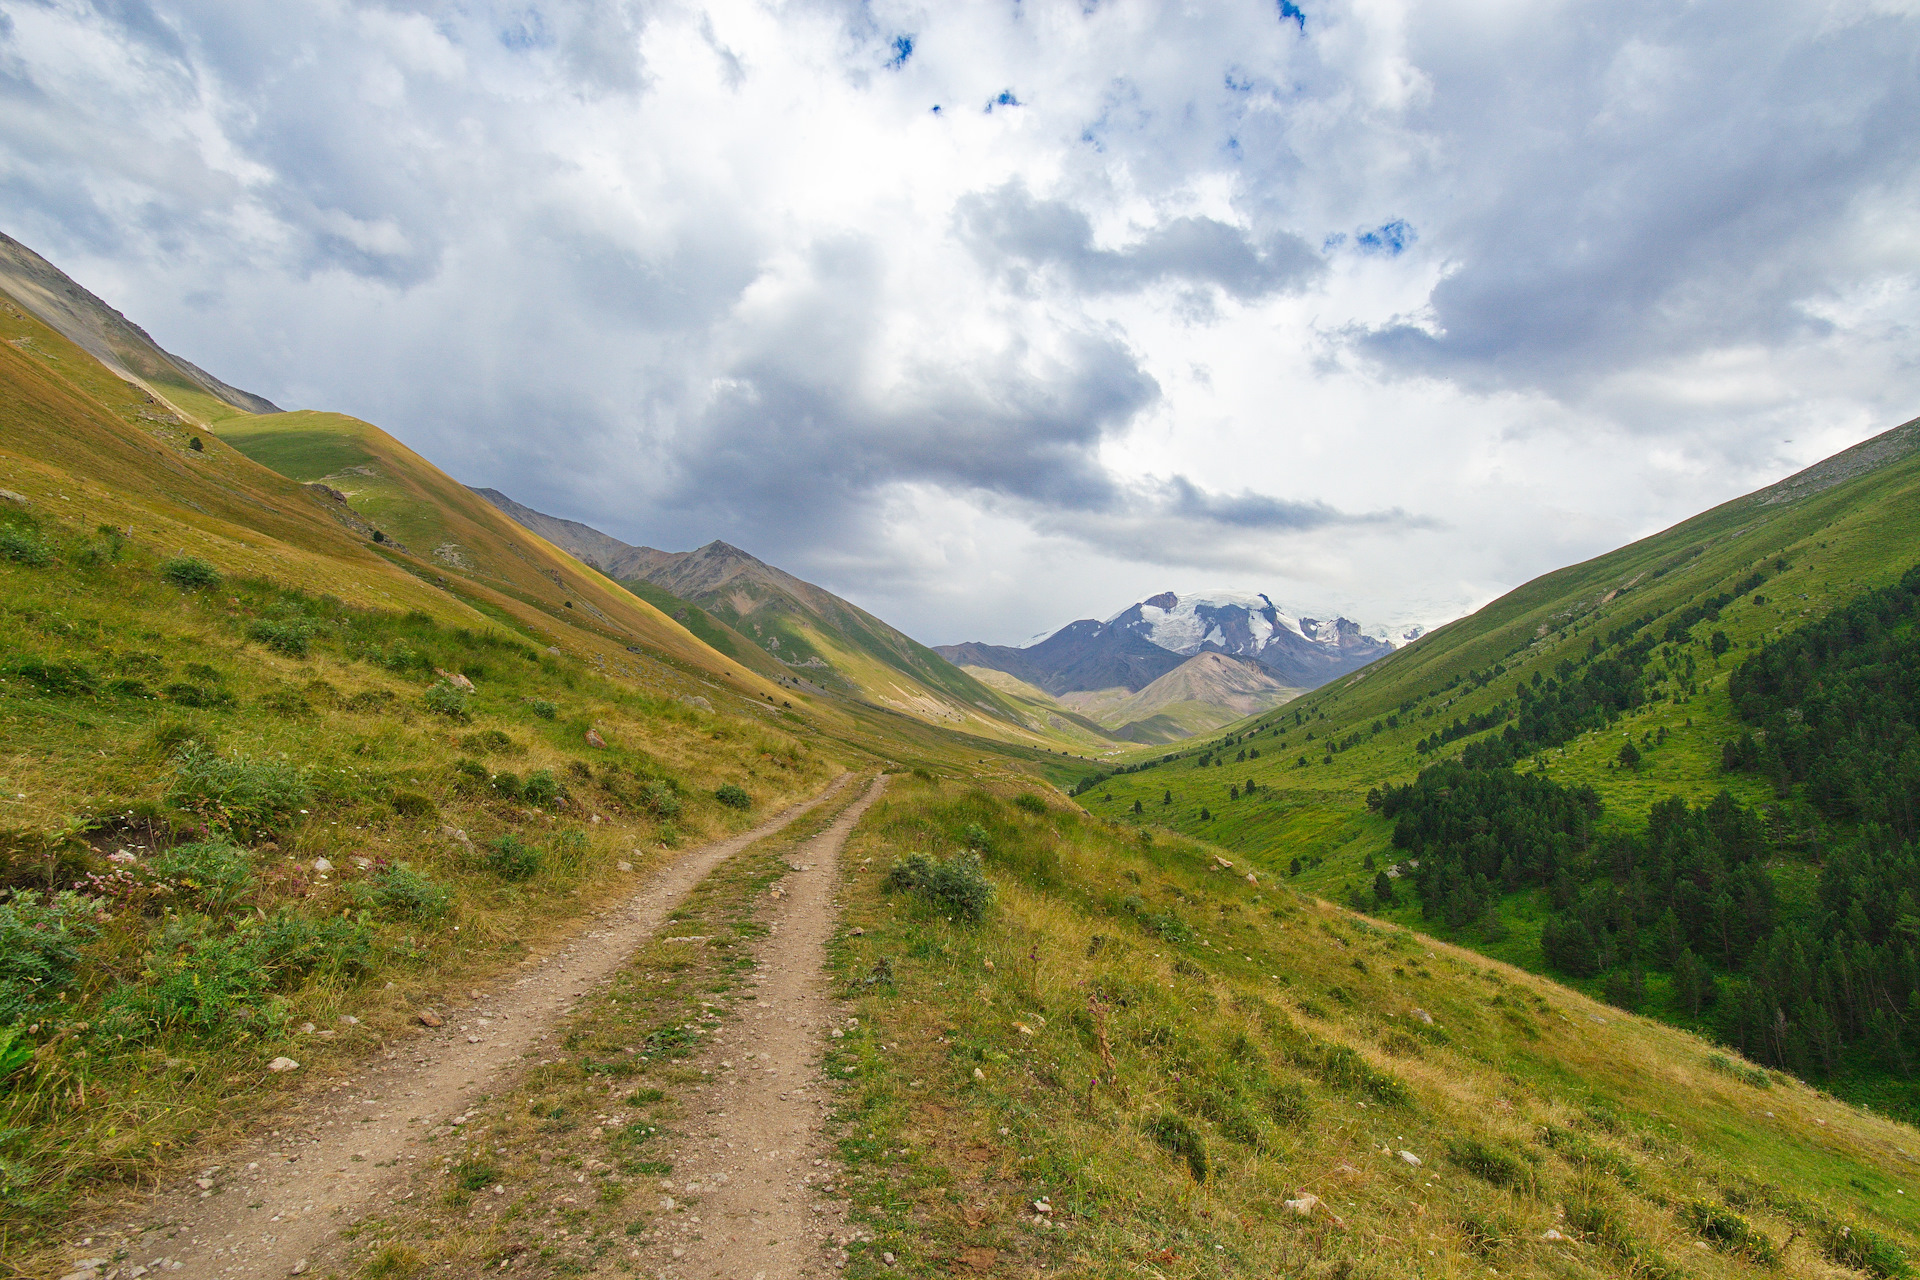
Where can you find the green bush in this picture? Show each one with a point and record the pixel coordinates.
(512, 858)
(734, 797)
(1728, 1232)
(65, 679)
(40, 941)
(237, 793)
(1862, 1249)
(291, 946)
(401, 891)
(476, 1175)
(448, 699)
(1030, 802)
(196, 695)
(1176, 1134)
(190, 573)
(197, 980)
(956, 885)
(16, 1051)
(541, 788)
(508, 784)
(412, 804)
(660, 800)
(291, 638)
(24, 546)
(1490, 1164)
(542, 708)
(489, 742)
(214, 874)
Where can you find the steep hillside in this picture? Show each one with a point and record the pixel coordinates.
(51, 297)
(1136, 1061)
(803, 629)
(1555, 680)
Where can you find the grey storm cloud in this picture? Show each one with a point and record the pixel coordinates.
(1681, 178)
(710, 271)
(1008, 226)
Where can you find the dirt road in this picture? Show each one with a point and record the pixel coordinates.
(756, 1159)
(274, 1207)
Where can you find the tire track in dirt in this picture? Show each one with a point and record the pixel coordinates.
(758, 1159)
(275, 1205)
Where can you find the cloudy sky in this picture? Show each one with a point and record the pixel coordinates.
(993, 315)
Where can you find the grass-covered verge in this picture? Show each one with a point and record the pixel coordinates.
(232, 813)
(578, 1145)
(1164, 1055)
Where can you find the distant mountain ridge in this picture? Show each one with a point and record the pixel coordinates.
(804, 628)
(1146, 640)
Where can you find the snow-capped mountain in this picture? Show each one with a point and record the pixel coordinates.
(1146, 640)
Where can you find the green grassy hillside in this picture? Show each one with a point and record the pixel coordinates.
(1291, 786)
(1165, 1055)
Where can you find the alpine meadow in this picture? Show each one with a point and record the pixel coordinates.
(1036, 640)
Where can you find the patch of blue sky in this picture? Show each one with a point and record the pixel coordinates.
(1291, 12)
(1389, 238)
(525, 30)
(902, 50)
(1238, 83)
(1005, 98)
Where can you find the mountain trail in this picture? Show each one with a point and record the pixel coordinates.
(759, 1159)
(275, 1205)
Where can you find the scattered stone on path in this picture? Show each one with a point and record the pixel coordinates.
(429, 1018)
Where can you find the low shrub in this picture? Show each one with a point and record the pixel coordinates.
(489, 742)
(660, 800)
(291, 638)
(956, 885)
(476, 1175)
(1728, 1232)
(734, 797)
(292, 947)
(25, 546)
(200, 981)
(1177, 1135)
(196, 695)
(542, 789)
(448, 699)
(1030, 802)
(213, 874)
(400, 891)
(236, 793)
(40, 941)
(63, 679)
(412, 804)
(16, 1051)
(1490, 1163)
(542, 708)
(512, 858)
(1342, 1067)
(190, 573)
(1861, 1248)
(290, 703)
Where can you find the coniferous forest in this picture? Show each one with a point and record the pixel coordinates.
(1790, 930)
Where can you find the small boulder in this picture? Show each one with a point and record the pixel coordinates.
(1551, 1233)
(1302, 1207)
(428, 1018)
(1411, 1158)
(1424, 1016)
(13, 499)
(283, 1064)
(455, 679)
(595, 741)
(696, 702)
(321, 864)
(623, 866)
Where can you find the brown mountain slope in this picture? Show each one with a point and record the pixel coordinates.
(109, 337)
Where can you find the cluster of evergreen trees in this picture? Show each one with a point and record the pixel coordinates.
(1833, 718)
